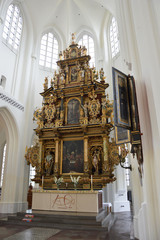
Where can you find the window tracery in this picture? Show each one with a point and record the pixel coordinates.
(114, 38)
(87, 41)
(48, 51)
(13, 27)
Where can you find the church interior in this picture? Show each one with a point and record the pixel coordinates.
(79, 131)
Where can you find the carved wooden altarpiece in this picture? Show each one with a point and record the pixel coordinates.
(74, 126)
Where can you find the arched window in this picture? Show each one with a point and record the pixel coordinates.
(49, 51)
(13, 26)
(114, 38)
(88, 42)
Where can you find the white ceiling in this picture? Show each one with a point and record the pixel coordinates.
(68, 16)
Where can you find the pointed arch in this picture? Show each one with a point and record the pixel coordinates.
(9, 126)
(86, 38)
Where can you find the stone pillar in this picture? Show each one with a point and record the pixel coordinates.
(56, 156)
(105, 151)
(86, 165)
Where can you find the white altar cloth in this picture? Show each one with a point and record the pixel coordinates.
(75, 201)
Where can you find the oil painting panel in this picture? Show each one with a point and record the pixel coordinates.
(121, 99)
(73, 156)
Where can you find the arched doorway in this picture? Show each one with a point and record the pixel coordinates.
(8, 136)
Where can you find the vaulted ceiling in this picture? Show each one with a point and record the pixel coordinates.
(68, 16)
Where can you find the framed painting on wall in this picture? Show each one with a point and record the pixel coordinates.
(72, 157)
(135, 126)
(122, 135)
(121, 99)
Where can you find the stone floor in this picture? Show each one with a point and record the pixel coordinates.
(121, 230)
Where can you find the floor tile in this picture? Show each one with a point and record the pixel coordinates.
(79, 235)
(8, 230)
(34, 234)
(121, 230)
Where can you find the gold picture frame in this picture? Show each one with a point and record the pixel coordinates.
(121, 99)
(72, 156)
(73, 74)
(122, 135)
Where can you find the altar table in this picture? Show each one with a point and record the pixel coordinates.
(59, 200)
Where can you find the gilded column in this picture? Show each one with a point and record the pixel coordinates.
(62, 110)
(86, 167)
(105, 151)
(39, 169)
(56, 156)
(40, 151)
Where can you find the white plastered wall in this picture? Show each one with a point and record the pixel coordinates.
(139, 28)
(16, 122)
(139, 34)
(12, 198)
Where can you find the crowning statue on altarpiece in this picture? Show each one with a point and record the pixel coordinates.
(74, 125)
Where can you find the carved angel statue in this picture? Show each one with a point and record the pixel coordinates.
(62, 77)
(73, 38)
(38, 116)
(84, 51)
(104, 103)
(95, 160)
(45, 83)
(60, 55)
(49, 162)
(101, 74)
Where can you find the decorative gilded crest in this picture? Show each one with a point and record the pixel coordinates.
(32, 155)
(113, 154)
(38, 116)
(49, 112)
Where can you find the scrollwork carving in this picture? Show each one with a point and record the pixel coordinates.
(32, 156)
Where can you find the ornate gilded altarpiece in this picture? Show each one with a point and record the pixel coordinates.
(74, 125)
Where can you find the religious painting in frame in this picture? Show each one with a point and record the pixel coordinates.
(135, 126)
(122, 135)
(73, 113)
(121, 99)
(135, 137)
(73, 74)
(72, 157)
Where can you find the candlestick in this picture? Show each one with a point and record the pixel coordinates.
(91, 182)
(119, 151)
(42, 181)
